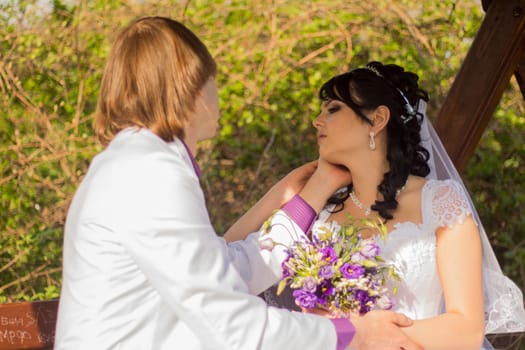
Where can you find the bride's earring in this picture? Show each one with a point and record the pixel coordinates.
(372, 143)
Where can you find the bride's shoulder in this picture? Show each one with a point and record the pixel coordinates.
(433, 191)
(411, 192)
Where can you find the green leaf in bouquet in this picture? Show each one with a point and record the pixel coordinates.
(325, 235)
(347, 254)
(396, 277)
(267, 226)
(390, 273)
(281, 286)
(369, 263)
(338, 247)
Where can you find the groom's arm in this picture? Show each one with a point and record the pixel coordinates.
(278, 195)
(258, 258)
(178, 252)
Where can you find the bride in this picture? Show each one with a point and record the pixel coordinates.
(372, 122)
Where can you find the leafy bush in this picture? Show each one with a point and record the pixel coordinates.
(272, 58)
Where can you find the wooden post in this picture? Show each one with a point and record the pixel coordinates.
(486, 71)
(520, 75)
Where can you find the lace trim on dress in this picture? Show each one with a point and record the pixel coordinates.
(503, 304)
(450, 205)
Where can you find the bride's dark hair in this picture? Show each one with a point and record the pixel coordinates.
(365, 89)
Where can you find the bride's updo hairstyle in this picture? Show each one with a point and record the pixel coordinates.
(365, 89)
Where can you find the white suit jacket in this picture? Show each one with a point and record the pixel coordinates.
(144, 269)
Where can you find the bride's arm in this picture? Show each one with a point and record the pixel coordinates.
(278, 195)
(459, 267)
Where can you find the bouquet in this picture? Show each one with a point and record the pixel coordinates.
(339, 270)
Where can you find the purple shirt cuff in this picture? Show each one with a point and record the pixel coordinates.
(345, 332)
(300, 212)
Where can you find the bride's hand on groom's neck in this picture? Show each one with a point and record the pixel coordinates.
(326, 179)
(294, 181)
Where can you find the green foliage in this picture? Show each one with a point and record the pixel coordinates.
(272, 57)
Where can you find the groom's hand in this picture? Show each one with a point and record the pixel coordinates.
(380, 330)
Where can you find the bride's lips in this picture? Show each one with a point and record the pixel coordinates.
(320, 137)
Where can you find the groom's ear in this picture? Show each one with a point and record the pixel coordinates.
(380, 119)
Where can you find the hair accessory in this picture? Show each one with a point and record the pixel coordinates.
(406, 119)
(374, 70)
(408, 107)
(372, 143)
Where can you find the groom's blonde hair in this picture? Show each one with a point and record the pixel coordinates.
(154, 72)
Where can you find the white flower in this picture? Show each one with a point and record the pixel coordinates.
(323, 229)
(266, 244)
(356, 257)
(369, 248)
(384, 303)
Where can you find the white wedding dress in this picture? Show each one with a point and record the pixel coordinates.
(411, 248)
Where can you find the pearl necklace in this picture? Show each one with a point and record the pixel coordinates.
(363, 207)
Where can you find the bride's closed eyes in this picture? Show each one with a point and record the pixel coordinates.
(332, 107)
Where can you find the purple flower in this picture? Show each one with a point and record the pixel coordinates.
(286, 271)
(309, 284)
(329, 254)
(364, 300)
(351, 271)
(326, 271)
(369, 249)
(361, 295)
(324, 291)
(364, 308)
(305, 299)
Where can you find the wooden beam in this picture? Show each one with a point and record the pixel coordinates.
(519, 73)
(486, 4)
(477, 89)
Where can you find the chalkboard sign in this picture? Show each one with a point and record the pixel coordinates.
(28, 325)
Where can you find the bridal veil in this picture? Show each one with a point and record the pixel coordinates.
(504, 311)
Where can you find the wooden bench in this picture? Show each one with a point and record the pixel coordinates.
(28, 325)
(31, 325)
